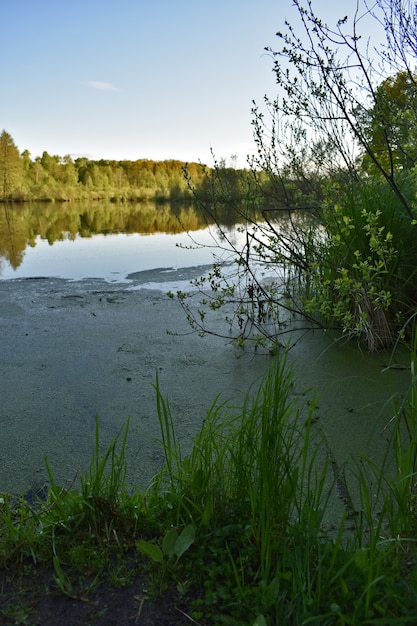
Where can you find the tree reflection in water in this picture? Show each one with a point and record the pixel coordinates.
(101, 232)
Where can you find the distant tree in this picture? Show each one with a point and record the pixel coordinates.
(38, 171)
(10, 166)
(27, 161)
(69, 173)
(50, 163)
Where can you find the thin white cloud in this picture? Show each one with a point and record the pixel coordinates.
(96, 84)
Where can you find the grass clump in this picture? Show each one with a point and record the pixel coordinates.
(236, 529)
(257, 487)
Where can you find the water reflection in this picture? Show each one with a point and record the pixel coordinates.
(24, 227)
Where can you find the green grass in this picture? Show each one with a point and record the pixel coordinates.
(237, 527)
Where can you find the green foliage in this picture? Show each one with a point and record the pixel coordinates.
(168, 553)
(363, 278)
(57, 178)
(10, 168)
(350, 264)
(256, 495)
(392, 124)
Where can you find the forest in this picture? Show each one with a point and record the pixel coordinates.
(61, 178)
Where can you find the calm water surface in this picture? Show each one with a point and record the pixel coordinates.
(110, 257)
(100, 240)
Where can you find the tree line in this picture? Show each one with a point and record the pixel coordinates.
(62, 178)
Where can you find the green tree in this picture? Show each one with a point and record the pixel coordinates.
(10, 166)
(331, 81)
(392, 124)
(69, 173)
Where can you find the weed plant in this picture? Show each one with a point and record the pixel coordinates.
(237, 526)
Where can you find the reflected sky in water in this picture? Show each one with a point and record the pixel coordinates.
(112, 257)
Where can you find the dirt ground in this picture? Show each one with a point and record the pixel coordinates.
(36, 600)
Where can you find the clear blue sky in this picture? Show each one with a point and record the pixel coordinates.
(130, 79)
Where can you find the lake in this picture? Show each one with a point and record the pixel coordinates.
(76, 349)
(100, 240)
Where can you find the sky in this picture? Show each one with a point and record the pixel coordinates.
(133, 79)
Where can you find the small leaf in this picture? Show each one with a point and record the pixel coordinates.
(168, 542)
(260, 621)
(185, 540)
(151, 550)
